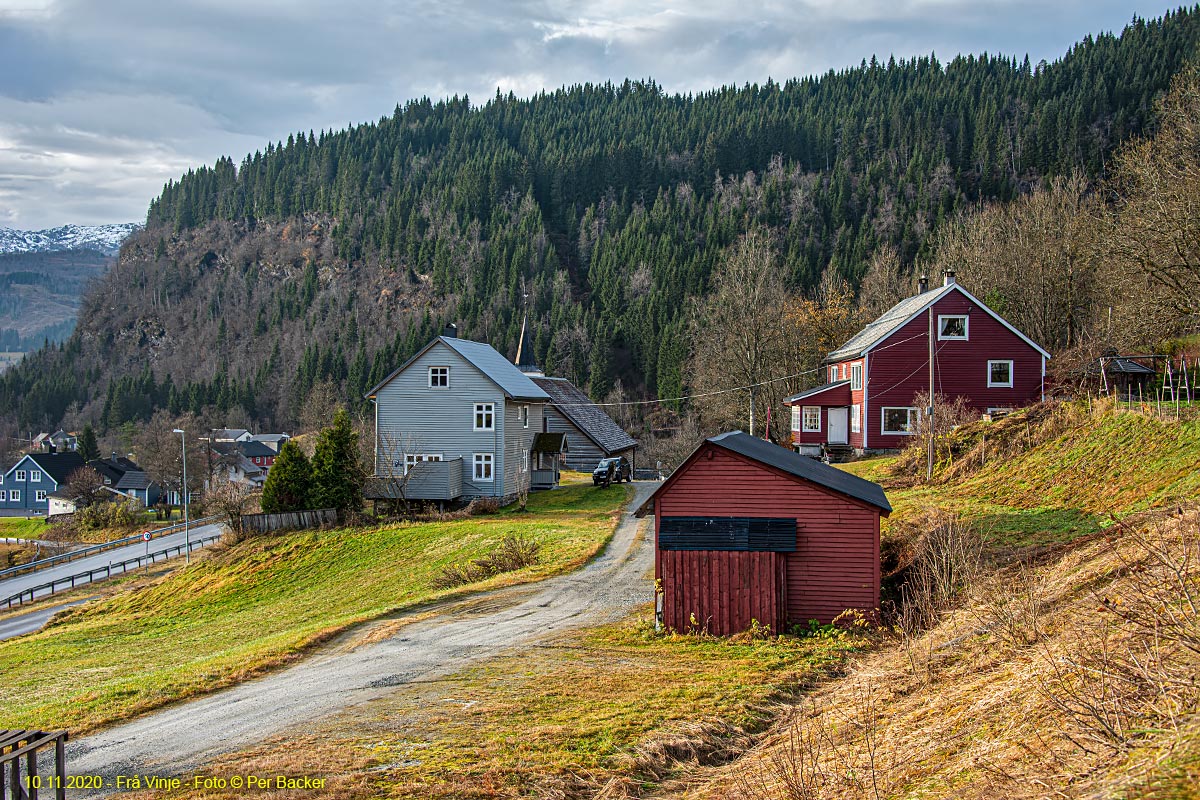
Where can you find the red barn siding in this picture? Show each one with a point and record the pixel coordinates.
(835, 566)
(900, 371)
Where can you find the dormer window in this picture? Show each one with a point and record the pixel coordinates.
(952, 327)
(439, 377)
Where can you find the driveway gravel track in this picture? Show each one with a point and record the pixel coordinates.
(178, 739)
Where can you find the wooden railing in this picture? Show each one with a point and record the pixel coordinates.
(19, 745)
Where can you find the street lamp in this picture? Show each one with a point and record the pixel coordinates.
(187, 543)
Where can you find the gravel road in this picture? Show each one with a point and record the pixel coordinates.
(178, 739)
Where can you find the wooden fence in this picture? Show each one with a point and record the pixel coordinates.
(292, 521)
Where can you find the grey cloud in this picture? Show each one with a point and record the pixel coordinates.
(101, 103)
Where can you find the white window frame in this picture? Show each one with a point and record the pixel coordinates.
(3, 496)
(807, 428)
(856, 373)
(35, 476)
(833, 370)
(39, 496)
(797, 415)
(412, 459)
(485, 413)
(524, 416)
(21, 475)
(442, 374)
(966, 318)
(856, 418)
(524, 461)
(14, 495)
(992, 384)
(914, 416)
(484, 460)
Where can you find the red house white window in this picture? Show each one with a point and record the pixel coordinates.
(1000, 374)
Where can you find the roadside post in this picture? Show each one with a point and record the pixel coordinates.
(146, 538)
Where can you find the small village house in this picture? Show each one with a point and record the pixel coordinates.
(746, 530)
(462, 412)
(26, 487)
(867, 402)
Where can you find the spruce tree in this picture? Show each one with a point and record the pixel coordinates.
(287, 485)
(87, 446)
(337, 478)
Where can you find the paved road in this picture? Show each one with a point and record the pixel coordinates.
(31, 621)
(11, 586)
(178, 739)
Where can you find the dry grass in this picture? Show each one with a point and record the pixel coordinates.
(1064, 679)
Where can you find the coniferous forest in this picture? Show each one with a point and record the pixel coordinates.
(323, 261)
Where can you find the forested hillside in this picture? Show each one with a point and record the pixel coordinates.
(327, 259)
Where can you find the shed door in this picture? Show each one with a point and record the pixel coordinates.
(839, 425)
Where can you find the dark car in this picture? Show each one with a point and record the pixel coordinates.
(612, 470)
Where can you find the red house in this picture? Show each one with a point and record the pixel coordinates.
(867, 403)
(747, 530)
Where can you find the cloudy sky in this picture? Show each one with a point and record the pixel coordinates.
(101, 101)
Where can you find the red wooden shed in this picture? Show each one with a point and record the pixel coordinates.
(747, 530)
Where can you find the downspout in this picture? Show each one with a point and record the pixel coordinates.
(862, 412)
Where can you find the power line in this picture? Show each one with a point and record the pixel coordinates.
(694, 396)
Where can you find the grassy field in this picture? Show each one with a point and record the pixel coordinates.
(201, 628)
(21, 528)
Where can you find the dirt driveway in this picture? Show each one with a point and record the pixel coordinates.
(180, 738)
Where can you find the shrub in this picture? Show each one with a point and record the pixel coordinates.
(483, 505)
(514, 553)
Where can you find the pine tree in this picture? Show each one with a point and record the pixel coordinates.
(287, 485)
(88, 447)
(337, 478)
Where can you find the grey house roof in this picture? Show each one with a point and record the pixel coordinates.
(888, 323)
(780, 458)
(586, 415)
(134, 479)
(515, 384)
(896, 316)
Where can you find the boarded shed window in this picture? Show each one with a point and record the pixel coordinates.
(773, 534)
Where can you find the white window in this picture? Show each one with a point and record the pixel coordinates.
(843, 372)
(856, 377)
(812, 419)
(855, 418)
(524, 416)
(439, 377)
(483, 467)
(3, 496)
(525, 461)
(35, 476)
(952, 327)
(833, 373)
(22, 475)
(901, 420)
(412, 459)
(796, 412)
(40, 496)
(1000, 374)
(485, 416)
(15, 495)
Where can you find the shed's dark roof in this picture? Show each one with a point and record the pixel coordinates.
(816, 390)
(1126, 365)
(586, 415)
(887, 323)
(58, 466)
(803, 467)
(549, 443)
(514, 383)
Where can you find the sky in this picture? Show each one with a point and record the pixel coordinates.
(103, 101)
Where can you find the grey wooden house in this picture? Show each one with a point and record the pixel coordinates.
(456, 421)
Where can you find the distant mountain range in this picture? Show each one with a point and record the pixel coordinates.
(104, 238)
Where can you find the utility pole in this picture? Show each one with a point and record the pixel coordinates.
(929, 410)
(187, 543)
(751, 412)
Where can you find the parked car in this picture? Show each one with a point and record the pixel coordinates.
(612, 470)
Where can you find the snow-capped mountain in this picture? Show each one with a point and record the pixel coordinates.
(105, 238)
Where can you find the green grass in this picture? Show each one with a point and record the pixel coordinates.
(206, 626)
(21, 528)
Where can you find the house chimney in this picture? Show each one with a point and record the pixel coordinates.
(948, 278)
(450, 331)
(923, 284)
